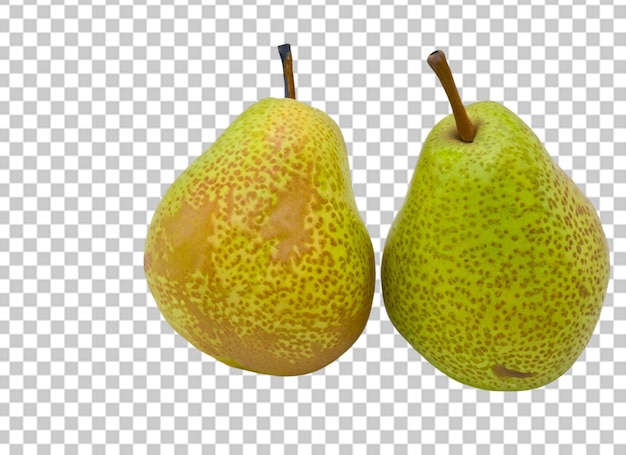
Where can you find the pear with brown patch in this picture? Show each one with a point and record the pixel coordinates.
(257, 254)
(496, 266)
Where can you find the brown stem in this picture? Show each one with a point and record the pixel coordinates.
(285, 55)
(437, 61)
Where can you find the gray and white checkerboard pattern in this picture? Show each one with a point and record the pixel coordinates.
(104, 103)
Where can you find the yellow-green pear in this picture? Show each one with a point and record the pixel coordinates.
(257, 254)
(496, 267)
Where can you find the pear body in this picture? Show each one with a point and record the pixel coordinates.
(257, 254)
(496, 267)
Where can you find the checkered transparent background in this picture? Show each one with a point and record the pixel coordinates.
(104, 103)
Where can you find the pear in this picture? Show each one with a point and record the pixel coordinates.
(257, 254)
(496, 266)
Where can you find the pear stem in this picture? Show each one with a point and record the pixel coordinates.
(437, 61)
(285, 55)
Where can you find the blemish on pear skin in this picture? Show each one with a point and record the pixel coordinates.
(287, 223)
(504, 372)
(147, 262)
(187, 232)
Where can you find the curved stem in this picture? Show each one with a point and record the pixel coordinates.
(437, 61)
(285, 55)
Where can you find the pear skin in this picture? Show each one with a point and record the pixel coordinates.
(257, 254)
(496, 267)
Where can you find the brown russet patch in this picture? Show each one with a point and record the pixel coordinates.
(505, 372)
(286, 223)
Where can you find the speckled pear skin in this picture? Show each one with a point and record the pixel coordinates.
(496, 267)
(257, 254)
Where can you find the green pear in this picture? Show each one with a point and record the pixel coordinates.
(257, 254)
(496, 267)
